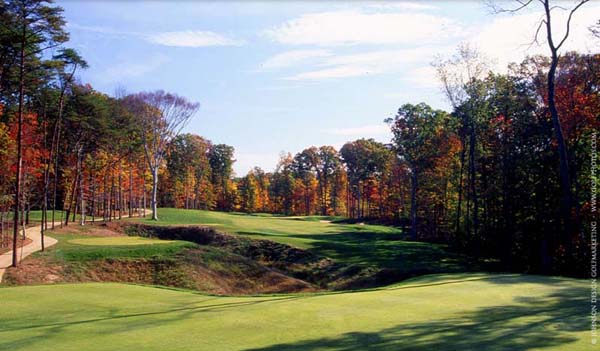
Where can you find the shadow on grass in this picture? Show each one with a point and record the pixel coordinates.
(528, 324)
(119, 322)
(383, 251)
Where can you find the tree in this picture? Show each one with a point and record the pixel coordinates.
(161, 116)
(37, 27)
(221, 161)
(67, 61)
(304, 166)
(554, 46)
(364, 159)
(461, 77)
(328, 162)
(248, 193)
(418, 130)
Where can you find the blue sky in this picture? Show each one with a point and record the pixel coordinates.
(281, 76)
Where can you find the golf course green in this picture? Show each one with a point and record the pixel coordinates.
(454, 310)
(440, 312)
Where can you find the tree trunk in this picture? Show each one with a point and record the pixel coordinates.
(472, 177)
(460, 186)
(19, 146)
(154, 193)
(80, 180)
(130, 191)
(413, 204)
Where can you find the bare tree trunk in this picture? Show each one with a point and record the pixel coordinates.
(413, 204)
(19, 162)
(154, 193)
(120, 199)
(565, 181)
(472, 172)
(130, 191)
(93, 207)
(144, 201)
(81, 193)
(460, 185)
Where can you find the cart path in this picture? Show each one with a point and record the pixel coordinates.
(33, 233)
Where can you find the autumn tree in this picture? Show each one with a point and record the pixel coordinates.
(555, 43)
(161, 117)
(417, 130)
(328, 163)
(221, 161)
(36, 26)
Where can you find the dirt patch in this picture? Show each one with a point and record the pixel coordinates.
(33, 270)
(7, 244)
(99, 229)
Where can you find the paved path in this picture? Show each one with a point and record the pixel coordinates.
(33, 233)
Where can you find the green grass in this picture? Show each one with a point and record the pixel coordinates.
(373, 245)
(78, 247)
(452, 312)
(119, 241)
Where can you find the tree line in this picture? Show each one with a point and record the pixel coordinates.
(490, 177)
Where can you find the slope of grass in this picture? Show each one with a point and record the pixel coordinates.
(453, 312)
(119, 241)
(78, 247)
(373, 245)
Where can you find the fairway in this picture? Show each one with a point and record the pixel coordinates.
(451, 312)
(359, 244)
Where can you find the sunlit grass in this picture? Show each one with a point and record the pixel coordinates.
(452, 312)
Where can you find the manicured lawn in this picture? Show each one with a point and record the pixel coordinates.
(452, 312)
(77, 247)
(346, 243)
(119, 241)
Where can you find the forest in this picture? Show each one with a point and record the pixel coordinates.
(492, 177)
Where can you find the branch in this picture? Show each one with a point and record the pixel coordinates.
(522, 3)
(569, 23)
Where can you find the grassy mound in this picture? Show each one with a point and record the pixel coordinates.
(376, 246)
(452, 312)
(97, 253)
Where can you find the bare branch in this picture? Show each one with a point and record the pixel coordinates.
(569, 23)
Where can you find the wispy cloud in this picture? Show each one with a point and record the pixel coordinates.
(353, 27)
(192, 39)
(363, 131)
(131, 69)
(509, 38)
(184, 38)
(402, 5)
(292, 58)
(404, 61)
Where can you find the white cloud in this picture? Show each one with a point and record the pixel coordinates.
(294, 57)
(128, 69)
(363, 131)
(425, 77)
(402, 5)
(329, 73)
(352, 27)
(192, 39)
(508, 38)
(401, 62)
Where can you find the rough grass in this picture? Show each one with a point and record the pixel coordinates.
(452, 312)
(356, 244)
